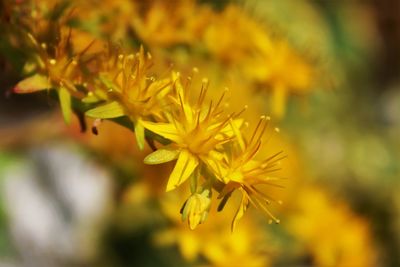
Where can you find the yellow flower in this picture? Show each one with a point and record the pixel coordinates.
(213, 243)
(57, 64)
(283, 71)
(196, 132)
(240, 170)
(164, 23)
(221, 36)
(329, 230)
(125, 84)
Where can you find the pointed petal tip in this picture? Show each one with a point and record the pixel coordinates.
(170, 187)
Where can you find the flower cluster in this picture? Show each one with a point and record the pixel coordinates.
(209, 145)
(261, 56)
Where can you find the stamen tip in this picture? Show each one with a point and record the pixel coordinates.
(277, 129)
(195, 70)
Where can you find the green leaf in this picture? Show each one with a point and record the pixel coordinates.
(107, 111)
(32, 84)
(161, 155)
(65, 101)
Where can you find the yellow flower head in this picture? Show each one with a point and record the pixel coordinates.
(207, 143)
(57, 63)
(125, 83)
(213, 243)
(196, 131)
(242, 171)
(168, 23)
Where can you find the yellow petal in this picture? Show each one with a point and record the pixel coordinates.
(184, 167)
(161, 155)
(107, 82)
(65, 101)
(213, 163)
(161, 87)
(227, 130)
(240, 212)
(166, 130)
(107, 111)
(235, 126)
(187, 109)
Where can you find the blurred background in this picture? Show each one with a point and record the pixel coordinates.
(330, 81)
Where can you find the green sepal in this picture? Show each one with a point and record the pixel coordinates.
(107, 111)
(161, 155)
(65, 102)
(139, 133)
(32, 84)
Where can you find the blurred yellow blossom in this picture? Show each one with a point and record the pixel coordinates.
(247, 246)
(329, 230)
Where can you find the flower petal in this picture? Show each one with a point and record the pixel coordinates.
(229, 129)
(235, 126)
(184, 167)
(166, 130)
(240, 212)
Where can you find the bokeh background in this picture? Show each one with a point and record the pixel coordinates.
(331, 85)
